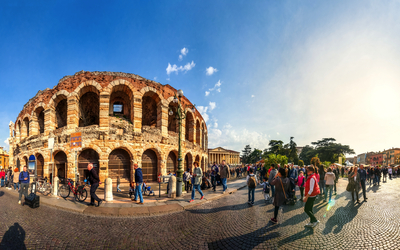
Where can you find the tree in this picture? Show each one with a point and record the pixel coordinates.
(328, 150)
(275, 159)
(307, 153)
(255, 156)
(293, 157)
(275, 146)
(301, 163)
(245, 154)
(315, 161)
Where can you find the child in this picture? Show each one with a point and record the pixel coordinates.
(131, 189)
(300, 182)
(266, 188)
(118, 183)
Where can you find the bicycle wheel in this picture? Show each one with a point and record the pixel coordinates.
(82, 195)
(64, 191)
(47, 189)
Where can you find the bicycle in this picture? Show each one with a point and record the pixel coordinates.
(42, 186)
(79, 192)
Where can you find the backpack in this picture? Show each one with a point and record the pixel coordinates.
(252, 182)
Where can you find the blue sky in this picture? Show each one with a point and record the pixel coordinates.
(257, 70)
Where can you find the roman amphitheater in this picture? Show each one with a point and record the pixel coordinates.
(123, 119)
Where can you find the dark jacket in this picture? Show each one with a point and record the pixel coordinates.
(356, 183)
(279, 198)
(93, 177)
(138, 175)
(24, 175)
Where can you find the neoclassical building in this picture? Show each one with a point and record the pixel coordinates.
(219, 154)
(123, 119)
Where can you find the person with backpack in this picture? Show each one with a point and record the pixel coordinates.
(24, 179)
(272, 175)
(282, 187)
(330, 182)
(312, 190)
(214, 173)
(251, 184)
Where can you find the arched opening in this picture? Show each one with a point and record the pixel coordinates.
(40, 166)
(61, 165)
(197, 159)
(203, 164)
(25, 131)
(89, 109)
(203, 137)
(188, 161)
(172, 164)
(189, 125)
(19, 129)
(198, 133)
(151, 112)
(121, 102)
(25, 161)
(61, 112)
(119, 164)
(18, 164)
(32, 164)
(149, 165)
(87, 156)
(172, 122)
(39, 112)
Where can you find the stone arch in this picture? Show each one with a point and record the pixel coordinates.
(197, 159)
(60, 160)
(189, 126)
(91, 85)
(39, 105)
(202, 164)
(25, 127)
(150, 164)
(188, 161)
(59, 103)
(173, 124)
(121, 93)
(151, 109)
(61, 94)
(198, 132)
(124, 146)
(172, 161)
(120, 165)
(89, 106)
(40, 165)
(203, 136)
(86, 156)
(38, 120)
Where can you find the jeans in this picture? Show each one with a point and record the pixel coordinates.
(363, 188)
(390, 176)
(276, 210)
(378, 179)
(308, 209)
(322, 187)
(198, 189)
(223, 180)
(24, 190)
(213, 181)
(187, 186)
(2, 182)
(301, 192)
(328, 190)
(273, 190)
(93, 195)
(138, 192)
(118, 189)
(16, 185)
(251, 195)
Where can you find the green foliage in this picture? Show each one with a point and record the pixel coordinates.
(275, 147)
(246, 154)
(326, 164)
(315, 161)
(255, 156)
(275, 159)
(326, 149)
(301, 163)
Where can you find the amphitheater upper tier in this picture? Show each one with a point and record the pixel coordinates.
(123, 119)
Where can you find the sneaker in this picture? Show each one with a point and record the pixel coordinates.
(223, 192)
(309, 224)
(274, 220)
(315, 223)
(252, 203)
(141, 203)
(19, 202)
(191, 200)
(201, 197)
(134, 200)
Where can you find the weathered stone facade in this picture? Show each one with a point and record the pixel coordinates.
(123, 119)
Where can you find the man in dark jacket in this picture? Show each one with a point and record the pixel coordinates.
(24, 179)
(94, 180)
(139, 183)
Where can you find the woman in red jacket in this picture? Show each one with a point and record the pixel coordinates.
(312, 190)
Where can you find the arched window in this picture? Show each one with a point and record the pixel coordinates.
(89, 109)
(62, 113)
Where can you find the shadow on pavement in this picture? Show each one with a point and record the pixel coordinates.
(341, 217)
(14, 238)
(300, 235)
(246, 241)
(1, 193)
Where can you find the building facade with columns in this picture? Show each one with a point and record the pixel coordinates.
(4, 159)
(219, 154)
(123, 119)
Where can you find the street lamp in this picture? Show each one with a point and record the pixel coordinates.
(180, 114)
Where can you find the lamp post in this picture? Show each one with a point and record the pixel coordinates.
(180, 114)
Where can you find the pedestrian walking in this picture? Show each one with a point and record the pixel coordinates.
(384, 172)
(363, 178)
(378, 174)
(9, 179)
(330, 182)
(312, 190)
(24, 179)
(139, 184)
(251, 184)
(321, 172)
(390, 171)
(16, 179)
(118, 184)
(342, 170)
(266, 188)
(197, 178)
(301, 182)
(354, 182)
(2, 177)
(131, 189)
(282, 186)
(224, 173)
(186, 180)
(214, 173)
(293, 176)
(335, 171)
(95, 181)
(273, 172)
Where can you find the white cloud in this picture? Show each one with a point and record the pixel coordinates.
(6, 142)
(219, 90)
(277, 133)
(215, 125)
(203, 111)
(216, 88)
(174, 68)
(180, 58)
(212, 105)
(252, 96)
(207, 93)
(155, 78)
(210, 70)
(184, 51)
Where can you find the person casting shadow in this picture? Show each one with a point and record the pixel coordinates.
(14, 238)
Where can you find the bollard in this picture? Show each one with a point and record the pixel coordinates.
(55, 186)
(172, 187)
(108, 194)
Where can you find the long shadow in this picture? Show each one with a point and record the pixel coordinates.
(14, 238)
(294, 220)
(341, 217)
(246, 241)
(300, 235)
(225, 208)
(1, 193)
(373, 188)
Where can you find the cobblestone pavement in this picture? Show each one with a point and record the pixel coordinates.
(227, 223)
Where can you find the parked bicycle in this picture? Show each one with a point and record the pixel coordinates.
(42, 186)
(79, 192)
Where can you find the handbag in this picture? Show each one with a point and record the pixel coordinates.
(350, 187)
(288, 201)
